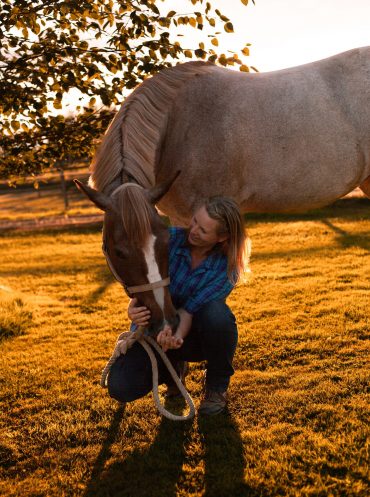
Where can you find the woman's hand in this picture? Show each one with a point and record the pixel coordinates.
(168, 341)
(138, 315)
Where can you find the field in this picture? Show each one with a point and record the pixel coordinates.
(297, 423)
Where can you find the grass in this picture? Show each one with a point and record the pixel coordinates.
(15, 317)
(27, 203)
(298, 418)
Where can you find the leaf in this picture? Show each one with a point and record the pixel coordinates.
(15, 125)
(245, 51)
(229, 28)
(200, 53)
(244, 2)
(192, 22)
(188, 54)
(244, 68)
(64, 9)
(214, 42)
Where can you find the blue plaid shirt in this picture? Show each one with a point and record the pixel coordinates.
(191, 288)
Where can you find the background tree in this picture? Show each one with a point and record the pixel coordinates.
(101, 48)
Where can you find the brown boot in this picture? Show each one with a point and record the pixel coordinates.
(213, 403)
(173, 391)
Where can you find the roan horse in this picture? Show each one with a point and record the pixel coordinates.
(282, 141)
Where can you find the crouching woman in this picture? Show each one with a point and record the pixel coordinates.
(205, 263)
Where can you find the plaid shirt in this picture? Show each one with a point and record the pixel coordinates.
(191, 289)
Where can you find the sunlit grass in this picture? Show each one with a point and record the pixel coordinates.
(299, 407)
(15, 316)
(28, 203)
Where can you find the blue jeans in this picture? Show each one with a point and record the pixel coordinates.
(213, 338)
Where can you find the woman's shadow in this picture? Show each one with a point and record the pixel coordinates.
(149, 472)
(159, 470)
(224, 457)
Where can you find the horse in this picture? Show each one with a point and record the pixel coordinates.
(280, 141)
(135, 244)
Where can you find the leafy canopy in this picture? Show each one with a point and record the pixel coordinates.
(99, 48)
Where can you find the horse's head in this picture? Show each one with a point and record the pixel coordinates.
(135, 244)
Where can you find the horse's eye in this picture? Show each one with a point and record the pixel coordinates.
(120, 253)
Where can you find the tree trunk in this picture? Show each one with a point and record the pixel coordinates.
(63, 186)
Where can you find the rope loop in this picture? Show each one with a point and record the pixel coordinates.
(124, 342)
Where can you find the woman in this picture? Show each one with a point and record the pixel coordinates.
(206, 261)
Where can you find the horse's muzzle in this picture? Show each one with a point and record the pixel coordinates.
(155, 327)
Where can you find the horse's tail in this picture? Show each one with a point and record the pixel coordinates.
(134, 137)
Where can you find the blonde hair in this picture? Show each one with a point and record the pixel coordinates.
(237, 246)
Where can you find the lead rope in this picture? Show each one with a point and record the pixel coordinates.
(124, 342)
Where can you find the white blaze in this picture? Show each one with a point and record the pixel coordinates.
(153, 270)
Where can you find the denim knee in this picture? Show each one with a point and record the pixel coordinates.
(128, 381)
(215, 317)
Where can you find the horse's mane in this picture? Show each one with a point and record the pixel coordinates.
(136, 212)
(134, 137)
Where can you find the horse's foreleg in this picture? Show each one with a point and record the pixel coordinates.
(365, 186)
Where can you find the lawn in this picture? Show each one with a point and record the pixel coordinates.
(297, 423)
(28, 203)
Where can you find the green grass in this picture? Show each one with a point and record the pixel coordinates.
(299, 406)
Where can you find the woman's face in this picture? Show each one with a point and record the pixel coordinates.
(203, 230)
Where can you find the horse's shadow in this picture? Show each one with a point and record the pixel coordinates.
(160, 470)
(346, 239)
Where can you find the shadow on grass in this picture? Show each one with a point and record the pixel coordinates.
(159, 470)
(347, 208)
(346, 239)
(105, 279)
(153, 472)
(224, 457)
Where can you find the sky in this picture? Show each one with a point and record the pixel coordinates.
(286, 33)
(282, 33)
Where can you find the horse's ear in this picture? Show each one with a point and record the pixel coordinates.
(158, 191)
(100, 199)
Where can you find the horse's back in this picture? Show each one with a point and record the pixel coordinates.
(282, 140)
